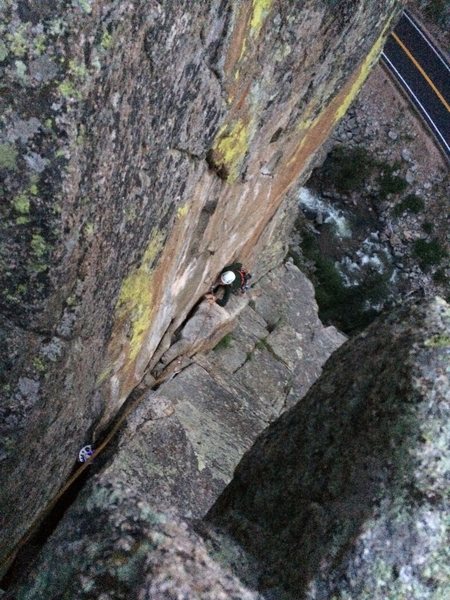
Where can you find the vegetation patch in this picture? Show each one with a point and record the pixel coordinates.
(440, 277)
(347, 169)
(437, 11)
(428, 227)
(429, 252)
(347, 307)
(224, 343)
(390, 183)
(411, 203)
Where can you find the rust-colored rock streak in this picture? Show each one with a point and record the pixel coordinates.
(256, 200)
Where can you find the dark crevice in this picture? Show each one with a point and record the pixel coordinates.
(188, 153)
(46, 524)
(28, 553)
(217, 74)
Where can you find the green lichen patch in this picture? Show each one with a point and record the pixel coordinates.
(438, 341)
(3, 51)
(40, 44)
(39, 364)
(21, 204)
(38, 245)
(77, 75)
(67, 89)
(77, 70)
(106, 41)
(85, 5)
(18, 42)
(8, 156)
(21, 69)
(89, 229)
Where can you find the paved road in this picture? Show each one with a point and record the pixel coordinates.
(423, 72)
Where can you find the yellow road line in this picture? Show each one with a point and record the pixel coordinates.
(421, 71)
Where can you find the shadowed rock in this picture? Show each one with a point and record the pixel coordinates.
(146, 554)
(346, 495)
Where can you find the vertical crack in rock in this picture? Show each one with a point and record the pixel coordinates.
(99, 214)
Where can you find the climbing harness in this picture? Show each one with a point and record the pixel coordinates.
(245, 277)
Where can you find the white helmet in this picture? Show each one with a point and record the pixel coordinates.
(227, 277)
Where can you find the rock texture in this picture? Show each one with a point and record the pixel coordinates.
(346, 495)
(144, 145)
(146, 554)
(181, 446)
(195, 428)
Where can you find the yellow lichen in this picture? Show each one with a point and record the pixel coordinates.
(183, 210)
(243, 49)
(135, 303)
(364, 71)
(260, 10)
(308, 122)
(230, 148)
(104, 375)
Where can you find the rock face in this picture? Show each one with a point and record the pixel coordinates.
(346, 495)
(144, 145)
(194, 429)
(146, 554)
(182, 444)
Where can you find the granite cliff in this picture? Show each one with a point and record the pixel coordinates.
(144, 145)
(344, 496)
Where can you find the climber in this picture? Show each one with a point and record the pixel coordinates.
(233, 278)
